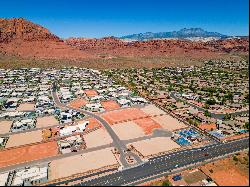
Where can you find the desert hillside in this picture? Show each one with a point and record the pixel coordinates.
(22, 39)
(28, 40)
(115, 47)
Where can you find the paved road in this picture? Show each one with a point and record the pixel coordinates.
(83, 177)
(156, 133)
(116, 141)
(213, 115)
(165, 164)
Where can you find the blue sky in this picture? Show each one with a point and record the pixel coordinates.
(99, 18)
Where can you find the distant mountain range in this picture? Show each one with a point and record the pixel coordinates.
(181, 34)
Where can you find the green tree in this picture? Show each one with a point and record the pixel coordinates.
(166, 183)
(230, 96)
(206, 106)
(170, 88)
(206, 113)
(235, 158)
(227, 116)
(223, 100)
(246, 126)
(190, 121)
(247, 98)
(210, 102)
(199, 99)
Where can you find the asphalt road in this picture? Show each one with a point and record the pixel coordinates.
(116, 140)
(213, 115)
(87, 176)
(167, 163)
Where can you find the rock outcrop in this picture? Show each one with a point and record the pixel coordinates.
(25, 39)
(114, 46)
(19, 28)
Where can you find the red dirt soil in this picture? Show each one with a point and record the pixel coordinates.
(28, 153)
(234, 137)
(90, 93)
(148, 125)
(42, 50)
(207, 126)
(93, 123)
(24, 39)
(114, 47)
(226, 173)
(110, 105)
(78, 103)
(123, 115)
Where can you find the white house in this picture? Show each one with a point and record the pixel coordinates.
(66, 131)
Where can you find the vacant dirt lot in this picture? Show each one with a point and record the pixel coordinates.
(81, 163)
(234, 137)
(123, 115)
(24, 138)
(78, 103)
(110, 105)
(169, 123)
(27, 153)
(47, 121)
(26, 107)
(152, 110)
(93, 123)
(97, 138)
(153, 146)
(128, 130)
(5, 126)
(229, 172)
(147, 124)
(191, 177)
(194, 177)
(90, 93)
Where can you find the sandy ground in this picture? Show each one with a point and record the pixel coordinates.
(97, 138)
(168, 122)
(191, 177)
(26, 107)
(148, 125)
(127, 130)
(90, 93)
(123, 115)
(234, 137)
(110, 105)
(24, 138)
(78, 103)
(153, 146)
(5, 126)
(27, 153)
(81, 163)
(152, 110)
(200, 104)
(46, 121)
(227, 172)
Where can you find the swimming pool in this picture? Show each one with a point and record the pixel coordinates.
(243, 131)
(182, 141)
(216, 134)
(190, 132)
